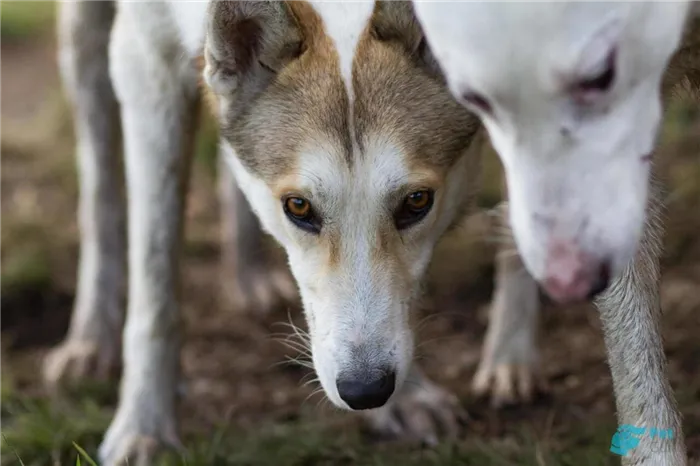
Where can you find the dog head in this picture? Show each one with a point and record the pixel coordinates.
(350, 149)
(570, 95)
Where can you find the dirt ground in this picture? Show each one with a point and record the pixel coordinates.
(241, 406)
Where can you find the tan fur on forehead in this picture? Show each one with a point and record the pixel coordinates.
(397, 96)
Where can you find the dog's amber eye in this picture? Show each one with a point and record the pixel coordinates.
(414, 208)
(298, 207)
(301, 214)
(418, 200)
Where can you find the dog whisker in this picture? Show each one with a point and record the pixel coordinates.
(312, 381)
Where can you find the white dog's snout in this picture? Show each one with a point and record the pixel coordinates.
(572, 274)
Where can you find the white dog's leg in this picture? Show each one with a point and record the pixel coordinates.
(422, 411)
(157, 88)
(508, 367)
(92, 346)
(631, 316)
(251, 281)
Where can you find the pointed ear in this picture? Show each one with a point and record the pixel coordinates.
(396, 21)
(247, 42)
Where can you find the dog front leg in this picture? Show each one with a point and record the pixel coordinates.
(92, 346)
(631, 315)
(508, 367)
(157, 90)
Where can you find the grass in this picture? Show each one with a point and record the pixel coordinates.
(207, 144)
(47, 434)
(25, 19)
(67, 431)
(26, 270)
(26, 262)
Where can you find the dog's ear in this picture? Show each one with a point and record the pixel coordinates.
(395, 21)
(247, 43)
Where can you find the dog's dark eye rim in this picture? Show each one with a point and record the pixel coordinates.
(477, 100)
(301, 213)
(602, 82)
(409, 213)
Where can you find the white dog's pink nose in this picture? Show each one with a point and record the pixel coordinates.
(572, 275)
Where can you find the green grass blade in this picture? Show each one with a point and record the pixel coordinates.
(84, 454)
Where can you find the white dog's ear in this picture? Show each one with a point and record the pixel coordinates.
(247, 43)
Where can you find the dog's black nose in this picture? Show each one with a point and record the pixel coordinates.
(367, 393)
(601, 282)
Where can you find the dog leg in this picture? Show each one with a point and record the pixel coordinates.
(421, 411)
(157, 89)
(509, 359)
(250, 279)
(92, 346)
(631, 315)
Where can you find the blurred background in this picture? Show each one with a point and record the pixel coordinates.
(243, 404)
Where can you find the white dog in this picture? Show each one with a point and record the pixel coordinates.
(570, 93)
(342, 135)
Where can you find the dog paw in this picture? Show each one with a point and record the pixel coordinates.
(260, 292)
(506, 384)
(136, 435)
(422, 412)
(76, 359)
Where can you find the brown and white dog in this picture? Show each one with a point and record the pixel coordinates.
(342, 134)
